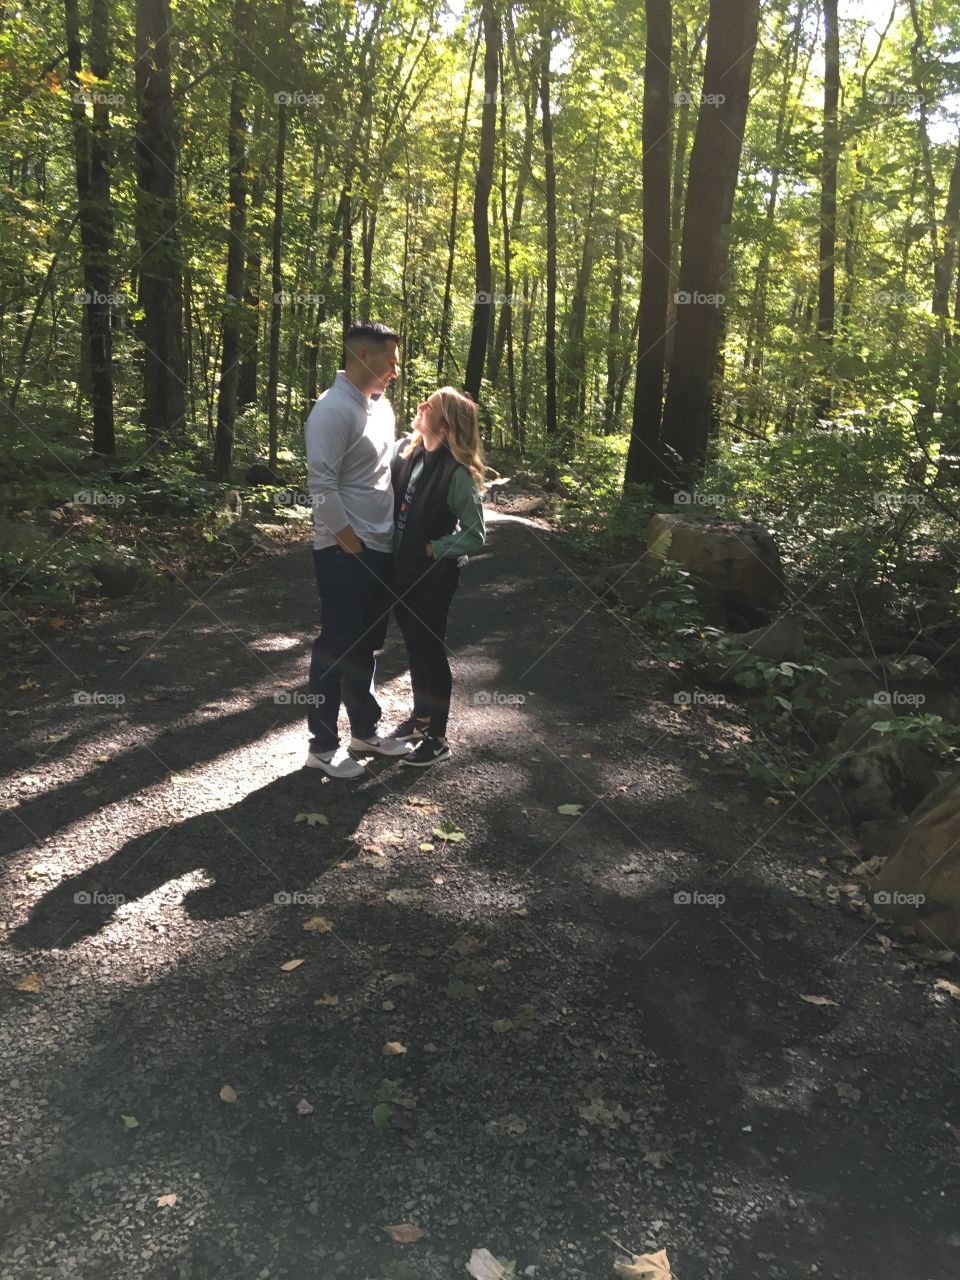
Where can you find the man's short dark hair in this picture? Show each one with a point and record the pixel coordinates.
(369, 332)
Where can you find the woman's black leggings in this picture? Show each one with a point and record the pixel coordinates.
(421, 614)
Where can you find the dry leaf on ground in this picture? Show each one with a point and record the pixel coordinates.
(228, 1093)
(646, 1266)
(484, 1266)
(405, 1233)
(164, 1202)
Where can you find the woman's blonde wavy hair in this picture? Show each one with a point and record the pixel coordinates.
(461, 417)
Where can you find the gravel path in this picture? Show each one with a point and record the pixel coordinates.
(583, 1056)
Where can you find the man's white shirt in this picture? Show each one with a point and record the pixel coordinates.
(349, 438)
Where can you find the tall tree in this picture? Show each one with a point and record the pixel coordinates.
(161, 266)
(643, 453)
(231, 328)
(276, 273)
(483, 274)
(714, 163)
(829, 157)
(91, 140)
(550, 192)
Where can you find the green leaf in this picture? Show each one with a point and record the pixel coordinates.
(313, 819)
(449, 831)
(130, 1122)
(571, 809)
(382, 1114)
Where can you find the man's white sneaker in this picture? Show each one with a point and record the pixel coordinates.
(336, 764)
(381, 746)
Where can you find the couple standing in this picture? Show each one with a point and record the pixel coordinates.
(394, 520)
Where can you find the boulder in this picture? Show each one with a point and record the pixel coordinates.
(117, 575)
(879, 776)
(920, 883)
(737, 560)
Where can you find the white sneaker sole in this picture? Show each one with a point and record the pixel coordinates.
(332, 771)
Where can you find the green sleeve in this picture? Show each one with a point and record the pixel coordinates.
(465, 502)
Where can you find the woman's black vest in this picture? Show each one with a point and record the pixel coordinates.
(427, 515)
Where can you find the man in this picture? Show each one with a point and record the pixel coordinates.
(349, 435)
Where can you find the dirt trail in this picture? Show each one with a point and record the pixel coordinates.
(584, 1056)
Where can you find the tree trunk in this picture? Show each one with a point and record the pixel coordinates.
(613, 330)
(92, 145)
(575, 364)
(452, 232)
(483, 300)
(160, 266)
(644, 453)
(714, 163)
(550, 181)
(826, 293)
(231, 320)
(276, 274)
(247, 381)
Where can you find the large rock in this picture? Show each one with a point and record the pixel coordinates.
(117, 575)
(920, 883)
(879, 776)
(737, 560)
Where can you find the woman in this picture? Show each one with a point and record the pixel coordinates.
(437, 478)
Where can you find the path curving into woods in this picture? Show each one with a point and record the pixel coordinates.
(577, 1055)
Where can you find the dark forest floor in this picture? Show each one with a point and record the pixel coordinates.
(584, 1057)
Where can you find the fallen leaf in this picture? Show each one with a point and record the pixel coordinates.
(317, 924)
(449, 831)
(130, 1122)
(313, 819)
(820, 1000)
(327, 1000)
(426, 847)
(29, 982)
(165, 1202)
(303, 1107)
(288, 965)
(943, 984)
(405, 1233)
(484, 1266)
(381, 1114)
(228, 1093)
(502, 1024)
(645, 1266)
(571, 809)
(393, 1047)
(56, 737)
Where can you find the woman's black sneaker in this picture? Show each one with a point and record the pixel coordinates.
(410, 731)
(430, 751)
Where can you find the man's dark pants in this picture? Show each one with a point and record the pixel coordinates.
(355, 600)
